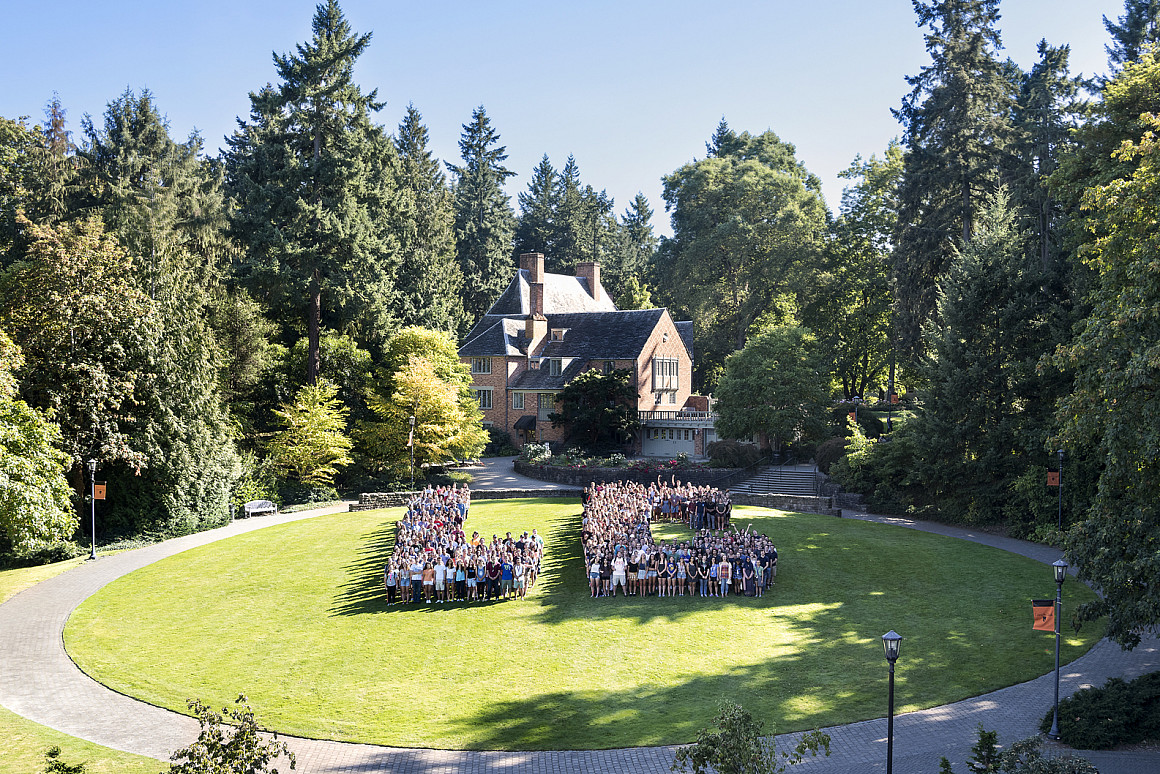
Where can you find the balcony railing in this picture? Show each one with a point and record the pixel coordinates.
(686, 416)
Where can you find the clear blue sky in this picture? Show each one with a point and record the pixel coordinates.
(632, 88)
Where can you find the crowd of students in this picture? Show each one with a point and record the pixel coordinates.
(435, 562)
(719, 559)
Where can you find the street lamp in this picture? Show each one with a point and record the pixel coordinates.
(890, 406)
(1060, 568)
(891, 642)
(1060, 525)
(411, 443)
(93, 506)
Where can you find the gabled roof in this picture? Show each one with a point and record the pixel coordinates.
(685, 329)
(495, 336)
(562, 294)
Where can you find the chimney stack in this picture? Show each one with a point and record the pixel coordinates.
(590, 271)
(533, 264)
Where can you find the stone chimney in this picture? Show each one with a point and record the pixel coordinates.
(533, 264)
(590, 270)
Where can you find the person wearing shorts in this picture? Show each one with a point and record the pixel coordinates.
(594, 576)
(619, 570)
(440, 582)
(507, 576)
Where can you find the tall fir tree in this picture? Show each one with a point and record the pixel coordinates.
(957, 128)
(1133, 32)
(627, 274)
(430, 283)
(984, 419)
(314, 186)
(484, 222)
(1045, 114)
(536, 229)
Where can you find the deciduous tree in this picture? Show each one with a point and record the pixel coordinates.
(597, 410)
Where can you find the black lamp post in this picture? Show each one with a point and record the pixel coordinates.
(890, 406)
(891, 642)
(412, 445)
(1060, 568)
(93, 507)
(1060, 525)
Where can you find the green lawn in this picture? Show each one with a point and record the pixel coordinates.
(293, 616)
(24, 744)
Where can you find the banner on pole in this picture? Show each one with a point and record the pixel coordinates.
(98, 490)
(1044, 612)
(411, 438)
(1053, 478)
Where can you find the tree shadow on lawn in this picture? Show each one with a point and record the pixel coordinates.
(673, 711)
(364, 592)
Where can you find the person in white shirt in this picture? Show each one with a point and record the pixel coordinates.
(619, 567)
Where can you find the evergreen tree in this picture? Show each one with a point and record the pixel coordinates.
(957, 127)
(313, 181)
(1044, 116)
(539, 206)
(163, 202)
(1138, 28)
(429, 281)
(484, 222)
(984, 418)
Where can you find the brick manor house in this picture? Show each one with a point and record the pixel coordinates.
(546, 329)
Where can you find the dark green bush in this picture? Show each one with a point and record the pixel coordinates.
(732, 454)
(295, 493)
(1118, 713)
(499, 444)
(829, 452)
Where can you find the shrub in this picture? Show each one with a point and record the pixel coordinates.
(1119, 713)
(732, 454)
(830, 452)
(536, 453)
(499, 444)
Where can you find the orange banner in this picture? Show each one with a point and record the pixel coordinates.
(1044, 612)
(1053, 478)
(99, 491)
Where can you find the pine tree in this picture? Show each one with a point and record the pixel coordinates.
(484, 222)
(429, 280)
(957, 127)
(539, 206)
(313, 180)
(1138, 28)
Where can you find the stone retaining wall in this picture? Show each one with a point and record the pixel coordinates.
(368, 501)
(822, 505)
(581, 477)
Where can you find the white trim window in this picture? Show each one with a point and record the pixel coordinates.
(481, 365)
(546, 404)
(517, 401)
(666, 373)
(483, 395)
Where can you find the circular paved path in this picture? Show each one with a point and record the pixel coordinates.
(40, 682)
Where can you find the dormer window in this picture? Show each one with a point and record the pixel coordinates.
(558, 334)
(555, 366)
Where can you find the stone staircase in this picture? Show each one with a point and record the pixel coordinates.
(793, 480)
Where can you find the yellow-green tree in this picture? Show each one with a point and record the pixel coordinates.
(313, 444)
(422, 377)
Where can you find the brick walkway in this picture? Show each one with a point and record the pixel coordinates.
(40, 682)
